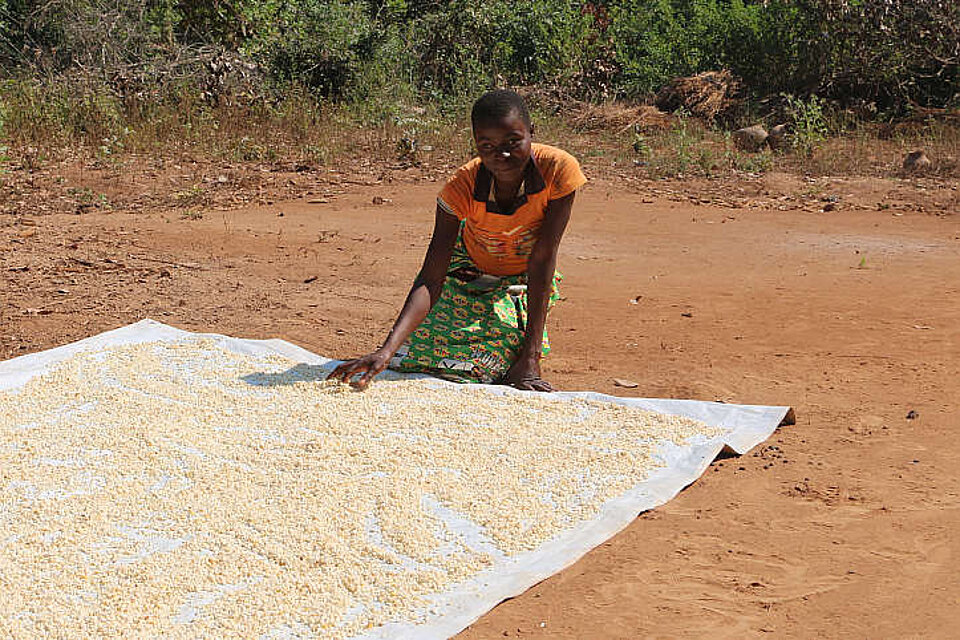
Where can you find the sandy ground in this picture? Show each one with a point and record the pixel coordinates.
(841, 526)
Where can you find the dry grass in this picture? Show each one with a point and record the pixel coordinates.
(689, 147)
(705, 95)
(47, 125)
(618, 117)
(879, 151)
(41, 123)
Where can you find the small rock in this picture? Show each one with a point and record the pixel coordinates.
(750, 138)
(317, 201)
(916, 162)
(777, 138)
(381, 200)
(912, 415)
(626, 384)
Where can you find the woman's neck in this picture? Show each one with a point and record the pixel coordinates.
(505, 193)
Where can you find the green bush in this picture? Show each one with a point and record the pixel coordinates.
(657, 40)
(381, 56)
(315, 43)
(809, 123)
(469, 45)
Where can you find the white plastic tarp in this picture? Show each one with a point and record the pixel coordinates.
(745, 426)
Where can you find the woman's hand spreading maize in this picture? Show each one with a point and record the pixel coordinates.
(367, 367)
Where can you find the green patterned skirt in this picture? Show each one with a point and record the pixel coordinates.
(472, 333)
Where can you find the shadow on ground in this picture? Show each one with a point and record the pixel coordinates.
(300, 373)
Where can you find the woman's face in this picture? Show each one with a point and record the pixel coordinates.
(504, 146)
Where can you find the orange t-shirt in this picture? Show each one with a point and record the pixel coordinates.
(500, 243)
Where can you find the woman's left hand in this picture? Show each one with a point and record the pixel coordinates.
(525, 374)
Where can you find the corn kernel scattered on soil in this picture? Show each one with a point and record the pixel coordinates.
(180, 490)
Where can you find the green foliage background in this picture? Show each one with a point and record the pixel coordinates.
(884, 53)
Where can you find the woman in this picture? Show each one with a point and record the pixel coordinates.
(499, 222)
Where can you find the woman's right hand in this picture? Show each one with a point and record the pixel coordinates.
(424, 293)
(367, 367)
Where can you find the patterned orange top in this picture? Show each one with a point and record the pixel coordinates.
(500, 242)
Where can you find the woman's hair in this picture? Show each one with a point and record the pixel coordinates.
(494, 106)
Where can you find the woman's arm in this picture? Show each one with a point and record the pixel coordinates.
(525, 372)
(423, 295)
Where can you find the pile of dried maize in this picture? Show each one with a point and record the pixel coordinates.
(183, 490)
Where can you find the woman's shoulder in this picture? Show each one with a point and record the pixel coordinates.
(467, 170)
(456, 196)
(559, 169)
(548, 154)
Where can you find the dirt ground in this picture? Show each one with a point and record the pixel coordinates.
(840, 526)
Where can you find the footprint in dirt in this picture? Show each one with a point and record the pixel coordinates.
(738, 589)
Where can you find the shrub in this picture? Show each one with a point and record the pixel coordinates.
(809, 123)
(316, 43)
(111, 60)
(471, 45)
(657, 40)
